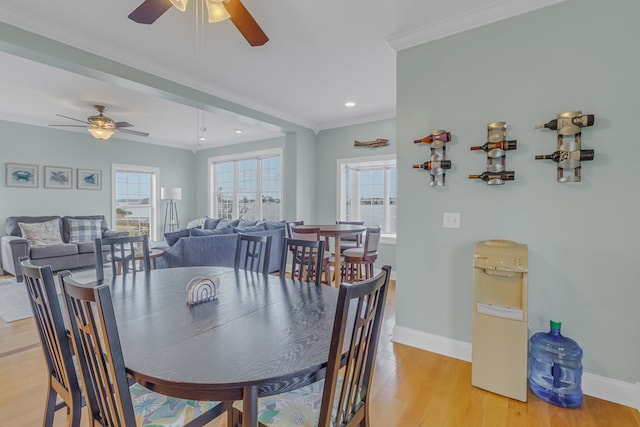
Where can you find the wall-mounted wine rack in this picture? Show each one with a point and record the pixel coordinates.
(569, 153)
(437, 163)
(496, 148)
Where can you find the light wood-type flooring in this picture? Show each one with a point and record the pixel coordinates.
(412, 388)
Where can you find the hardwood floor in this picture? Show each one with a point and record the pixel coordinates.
(411, 388)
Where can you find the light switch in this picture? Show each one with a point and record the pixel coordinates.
(451, 220)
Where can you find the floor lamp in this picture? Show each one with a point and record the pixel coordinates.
(171, 212)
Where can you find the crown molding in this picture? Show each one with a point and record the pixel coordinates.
(474, 18)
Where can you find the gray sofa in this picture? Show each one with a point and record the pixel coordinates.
(66, 255)
(216, 250)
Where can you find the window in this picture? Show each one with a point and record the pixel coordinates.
(367, 192)
(247, 187)
(134, 199)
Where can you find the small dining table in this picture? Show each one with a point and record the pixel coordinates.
(335, 231)
(261, 335)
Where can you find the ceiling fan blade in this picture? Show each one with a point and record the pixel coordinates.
(71, 118)
(149, 11)
(70, 126)
(245, 23)
(133, 132)
(123, 125)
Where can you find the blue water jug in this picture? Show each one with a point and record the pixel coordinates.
(555, 368)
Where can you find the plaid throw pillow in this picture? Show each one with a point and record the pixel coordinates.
(84, 230)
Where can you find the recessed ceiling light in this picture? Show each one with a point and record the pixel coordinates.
(202, 138)
(349, 104)
(238, 131)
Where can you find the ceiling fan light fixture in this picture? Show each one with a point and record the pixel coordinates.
(217, 11)
(100, 133)
(181, 5)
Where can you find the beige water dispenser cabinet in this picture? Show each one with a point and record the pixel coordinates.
(500, 336)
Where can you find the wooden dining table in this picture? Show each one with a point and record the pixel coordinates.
(261, 335)
(336, 231)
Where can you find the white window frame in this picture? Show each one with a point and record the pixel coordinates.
(341, 213)
(258, 155)
(155, 178)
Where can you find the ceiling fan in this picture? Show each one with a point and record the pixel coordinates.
(101, 126)
(218, 10)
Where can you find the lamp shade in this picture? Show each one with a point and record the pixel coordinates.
(217, 11)
(170, 193)
(100, 133)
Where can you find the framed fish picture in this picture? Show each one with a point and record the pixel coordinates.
(89, 179)
(19, 175)
(57, 177)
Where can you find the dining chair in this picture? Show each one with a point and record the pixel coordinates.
(292, 224)
(349, 241)
(111, 400)
(55, 343)
(313, 234)
(365, 256)
(306, 265)
(256, 250)
(121, 251)
(342, 397)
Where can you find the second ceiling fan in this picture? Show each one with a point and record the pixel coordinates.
(219, 10)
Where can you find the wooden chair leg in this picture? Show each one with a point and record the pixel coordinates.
(50, 407)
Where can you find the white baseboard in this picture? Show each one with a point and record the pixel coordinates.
(604, 388)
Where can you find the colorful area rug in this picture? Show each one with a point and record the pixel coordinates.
(14, 302)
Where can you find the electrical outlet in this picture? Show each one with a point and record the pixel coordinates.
(451, 220)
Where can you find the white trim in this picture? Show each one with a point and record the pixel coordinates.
(467, 20)
(612, 390)
(341, 191)
(434, 343)
(271, 152)
(155, 194)
(259, 155)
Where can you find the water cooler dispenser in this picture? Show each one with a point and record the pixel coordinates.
(500, 328)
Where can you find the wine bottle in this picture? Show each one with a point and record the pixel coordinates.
(551, 124)
(503, 145)
(434, 164)
(488, 176)
(582, 120)
(441, 136)
(560, 156)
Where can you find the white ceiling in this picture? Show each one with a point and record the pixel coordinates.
(320, 54)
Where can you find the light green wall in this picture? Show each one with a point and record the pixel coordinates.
(582, 237)
(50, 147)
(336, 144)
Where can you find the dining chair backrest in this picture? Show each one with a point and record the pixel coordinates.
(56, 346)
(97, 345)
(358, 319)
(371, 241)
(252, 253)
(306, 265)
(291, 224)
(305, 233)
(122, 252)
(354, 237)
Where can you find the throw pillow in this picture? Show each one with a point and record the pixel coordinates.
(224, 223)
(273, 225)
(248, 229)
(243, 223)
(84, 230)
(196, 232)
(173, 236)
(197, 223)
(210, 223)
(42, 233)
